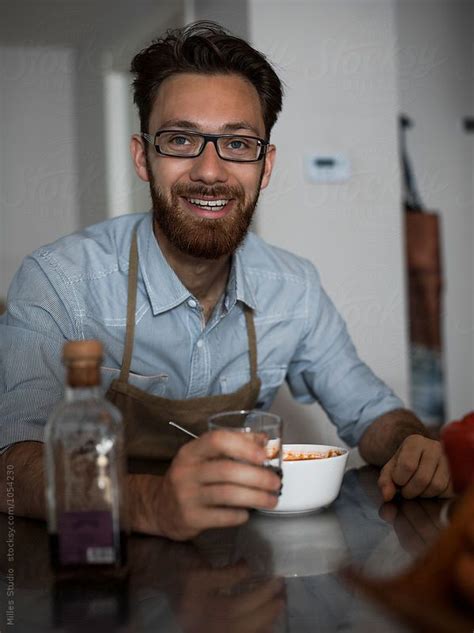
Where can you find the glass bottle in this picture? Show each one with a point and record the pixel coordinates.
(85, 473)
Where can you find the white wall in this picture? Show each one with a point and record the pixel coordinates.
(38, 167)
(338, 62)
(126, 193)
(53, 63)
(436, 90)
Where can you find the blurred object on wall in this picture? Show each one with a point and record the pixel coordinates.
(3, 306)
(424, 275)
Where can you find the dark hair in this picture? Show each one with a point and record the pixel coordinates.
(207, 48)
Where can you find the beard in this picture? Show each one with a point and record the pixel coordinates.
(206, 238)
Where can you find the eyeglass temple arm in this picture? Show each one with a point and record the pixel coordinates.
(148, 137)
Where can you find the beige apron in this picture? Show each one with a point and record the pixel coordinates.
(151, 441)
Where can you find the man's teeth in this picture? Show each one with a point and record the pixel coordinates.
(215, 205)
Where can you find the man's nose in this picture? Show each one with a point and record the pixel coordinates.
(208, 167)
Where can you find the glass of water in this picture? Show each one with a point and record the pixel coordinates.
(262, 424)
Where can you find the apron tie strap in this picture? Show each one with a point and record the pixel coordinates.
(131, 308)
(252, 339)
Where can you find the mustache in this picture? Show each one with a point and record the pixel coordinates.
(217, 191)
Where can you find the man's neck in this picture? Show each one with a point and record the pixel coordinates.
(206, 279)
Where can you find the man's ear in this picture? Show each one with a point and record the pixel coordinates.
(138, 152)
(269, 161)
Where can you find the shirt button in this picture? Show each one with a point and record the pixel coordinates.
(192, 303)
(200, 343)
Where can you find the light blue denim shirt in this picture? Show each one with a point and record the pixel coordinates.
(76, 288)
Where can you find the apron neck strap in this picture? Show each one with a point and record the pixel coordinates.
(252, 339)
(131, 310)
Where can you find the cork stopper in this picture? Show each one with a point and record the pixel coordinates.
(82, 360)
(82, 351)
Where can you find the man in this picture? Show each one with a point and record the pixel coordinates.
(196, 314)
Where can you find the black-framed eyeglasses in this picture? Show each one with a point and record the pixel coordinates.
(232, 147)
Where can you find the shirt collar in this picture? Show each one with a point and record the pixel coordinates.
(164, 288)
(238, 278)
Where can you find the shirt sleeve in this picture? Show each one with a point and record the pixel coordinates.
(32, 333)
(326, 368)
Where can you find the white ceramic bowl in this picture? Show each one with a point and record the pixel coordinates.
(310, 484)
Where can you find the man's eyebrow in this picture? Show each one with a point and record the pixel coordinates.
(182, 124)
(172, 124)
(239, 125)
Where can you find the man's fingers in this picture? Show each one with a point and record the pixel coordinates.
(421, 477)
(385, 481)
(440, 484)
(418, 468)
(407, 462)
(230, 471)
(222, 443)
(217, 495)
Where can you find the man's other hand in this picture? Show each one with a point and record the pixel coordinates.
(419, 468)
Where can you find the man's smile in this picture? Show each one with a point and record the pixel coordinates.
(209, 207)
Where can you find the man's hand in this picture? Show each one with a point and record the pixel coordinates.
(418, 468)
(211, 483)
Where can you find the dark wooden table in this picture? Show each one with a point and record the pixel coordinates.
(271, 575)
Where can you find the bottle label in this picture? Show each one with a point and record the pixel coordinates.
(86, 538)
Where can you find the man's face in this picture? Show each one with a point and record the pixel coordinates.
(180, 187)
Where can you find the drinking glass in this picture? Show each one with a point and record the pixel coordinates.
(268, 425)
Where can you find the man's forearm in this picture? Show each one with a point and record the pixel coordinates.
(24, 464)
(143, 503)
(23, 471)
(384, 436)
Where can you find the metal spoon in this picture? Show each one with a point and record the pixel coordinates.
(181, 428)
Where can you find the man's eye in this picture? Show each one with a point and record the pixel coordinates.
(237, 143)
(179, 140)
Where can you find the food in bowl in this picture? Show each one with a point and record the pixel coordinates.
(294, 456)
(310, 483)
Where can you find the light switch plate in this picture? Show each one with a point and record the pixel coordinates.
(327, 167)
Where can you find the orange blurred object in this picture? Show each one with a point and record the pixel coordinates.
(458, 442)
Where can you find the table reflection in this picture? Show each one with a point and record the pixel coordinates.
(275, 574)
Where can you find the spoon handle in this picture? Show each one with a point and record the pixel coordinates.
(181, 428)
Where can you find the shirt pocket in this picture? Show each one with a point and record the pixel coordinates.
(155, 384)
(271, 378)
